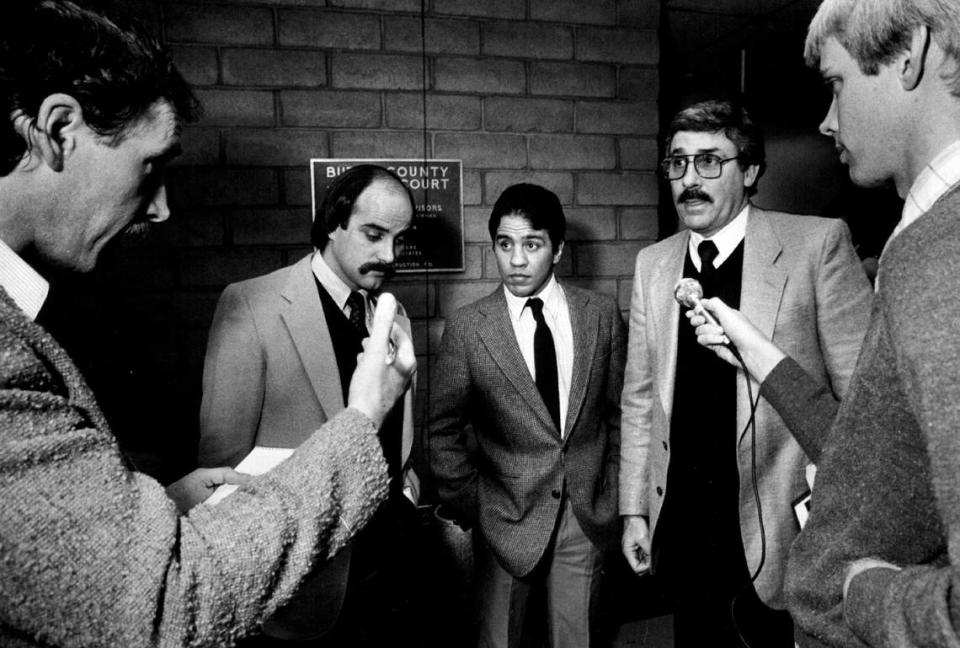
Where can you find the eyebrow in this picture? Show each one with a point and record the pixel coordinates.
(713, 150)
(525, 237)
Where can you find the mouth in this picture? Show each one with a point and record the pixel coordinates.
(694, 198)
(842, 152)
(695, 205)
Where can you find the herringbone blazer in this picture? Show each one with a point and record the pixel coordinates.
(484, 399)
(95, 554)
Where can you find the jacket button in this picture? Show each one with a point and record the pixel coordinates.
(664, 445)
(555, 493)
(659, 491)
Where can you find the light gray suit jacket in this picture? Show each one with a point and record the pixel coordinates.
(803, 286)
(510, 485)
(270, 378)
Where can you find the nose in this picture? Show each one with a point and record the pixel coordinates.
(388, 251)
(158, 210)
(828, 126)
(518, 258)
(690, 176)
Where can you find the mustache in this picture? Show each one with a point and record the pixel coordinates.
(692, 193)
(138, 230)
(388, 269)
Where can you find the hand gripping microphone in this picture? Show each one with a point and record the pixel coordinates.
(688, 294)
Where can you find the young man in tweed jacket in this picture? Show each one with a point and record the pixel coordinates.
(540, 489)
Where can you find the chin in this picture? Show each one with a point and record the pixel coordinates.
(520, 291)
(863, 178)
(64, 263)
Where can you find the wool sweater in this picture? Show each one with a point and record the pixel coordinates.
(888, 481)
(94, 554)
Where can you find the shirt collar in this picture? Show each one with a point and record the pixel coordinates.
(24, 284)
(333, 284)
(936, 179)
(726, 240)
(550, 294)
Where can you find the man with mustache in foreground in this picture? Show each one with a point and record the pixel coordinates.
(280, 355)
(687, 483)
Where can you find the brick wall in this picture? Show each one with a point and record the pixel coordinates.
(558, 92)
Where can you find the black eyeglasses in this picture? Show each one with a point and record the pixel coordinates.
(707, 165)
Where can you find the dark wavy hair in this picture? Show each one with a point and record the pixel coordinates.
(112, 66)
(341, 195)
(730, 119)
(538, 205)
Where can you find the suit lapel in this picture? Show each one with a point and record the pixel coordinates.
(585, 322)
(761, 293)
(496, 332)
(303, 315)
(665, 313)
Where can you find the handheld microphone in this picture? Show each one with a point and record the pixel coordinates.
(688, 293)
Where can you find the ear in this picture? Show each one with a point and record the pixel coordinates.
(54, 133)
(911, 62)
(750, 175)
(558, 253)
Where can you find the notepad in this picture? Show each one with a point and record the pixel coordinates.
(260, 460)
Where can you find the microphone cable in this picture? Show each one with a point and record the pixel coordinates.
(688, 292)
(752, 425)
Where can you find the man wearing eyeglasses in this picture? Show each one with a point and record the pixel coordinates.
(689, 478)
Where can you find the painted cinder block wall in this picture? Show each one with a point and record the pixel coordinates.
(557, 92)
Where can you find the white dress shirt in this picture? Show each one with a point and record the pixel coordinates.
(24, 285)
(726, 240)
(337, 288)
(556, 312)
(936, 179)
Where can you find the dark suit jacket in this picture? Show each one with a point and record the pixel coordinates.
(510, 486)
(270, 378)
(802, 286)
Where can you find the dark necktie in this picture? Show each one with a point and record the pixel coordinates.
(545, 362)
(358, 314)
(708, 252)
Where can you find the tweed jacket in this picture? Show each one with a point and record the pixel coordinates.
(888, 484)
(270, 378)
(510, 486)
(94, 554)
(802, 285)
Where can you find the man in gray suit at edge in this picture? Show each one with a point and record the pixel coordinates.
(533, 374)
(687, 464)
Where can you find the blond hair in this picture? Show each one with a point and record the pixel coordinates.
(874, 32)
